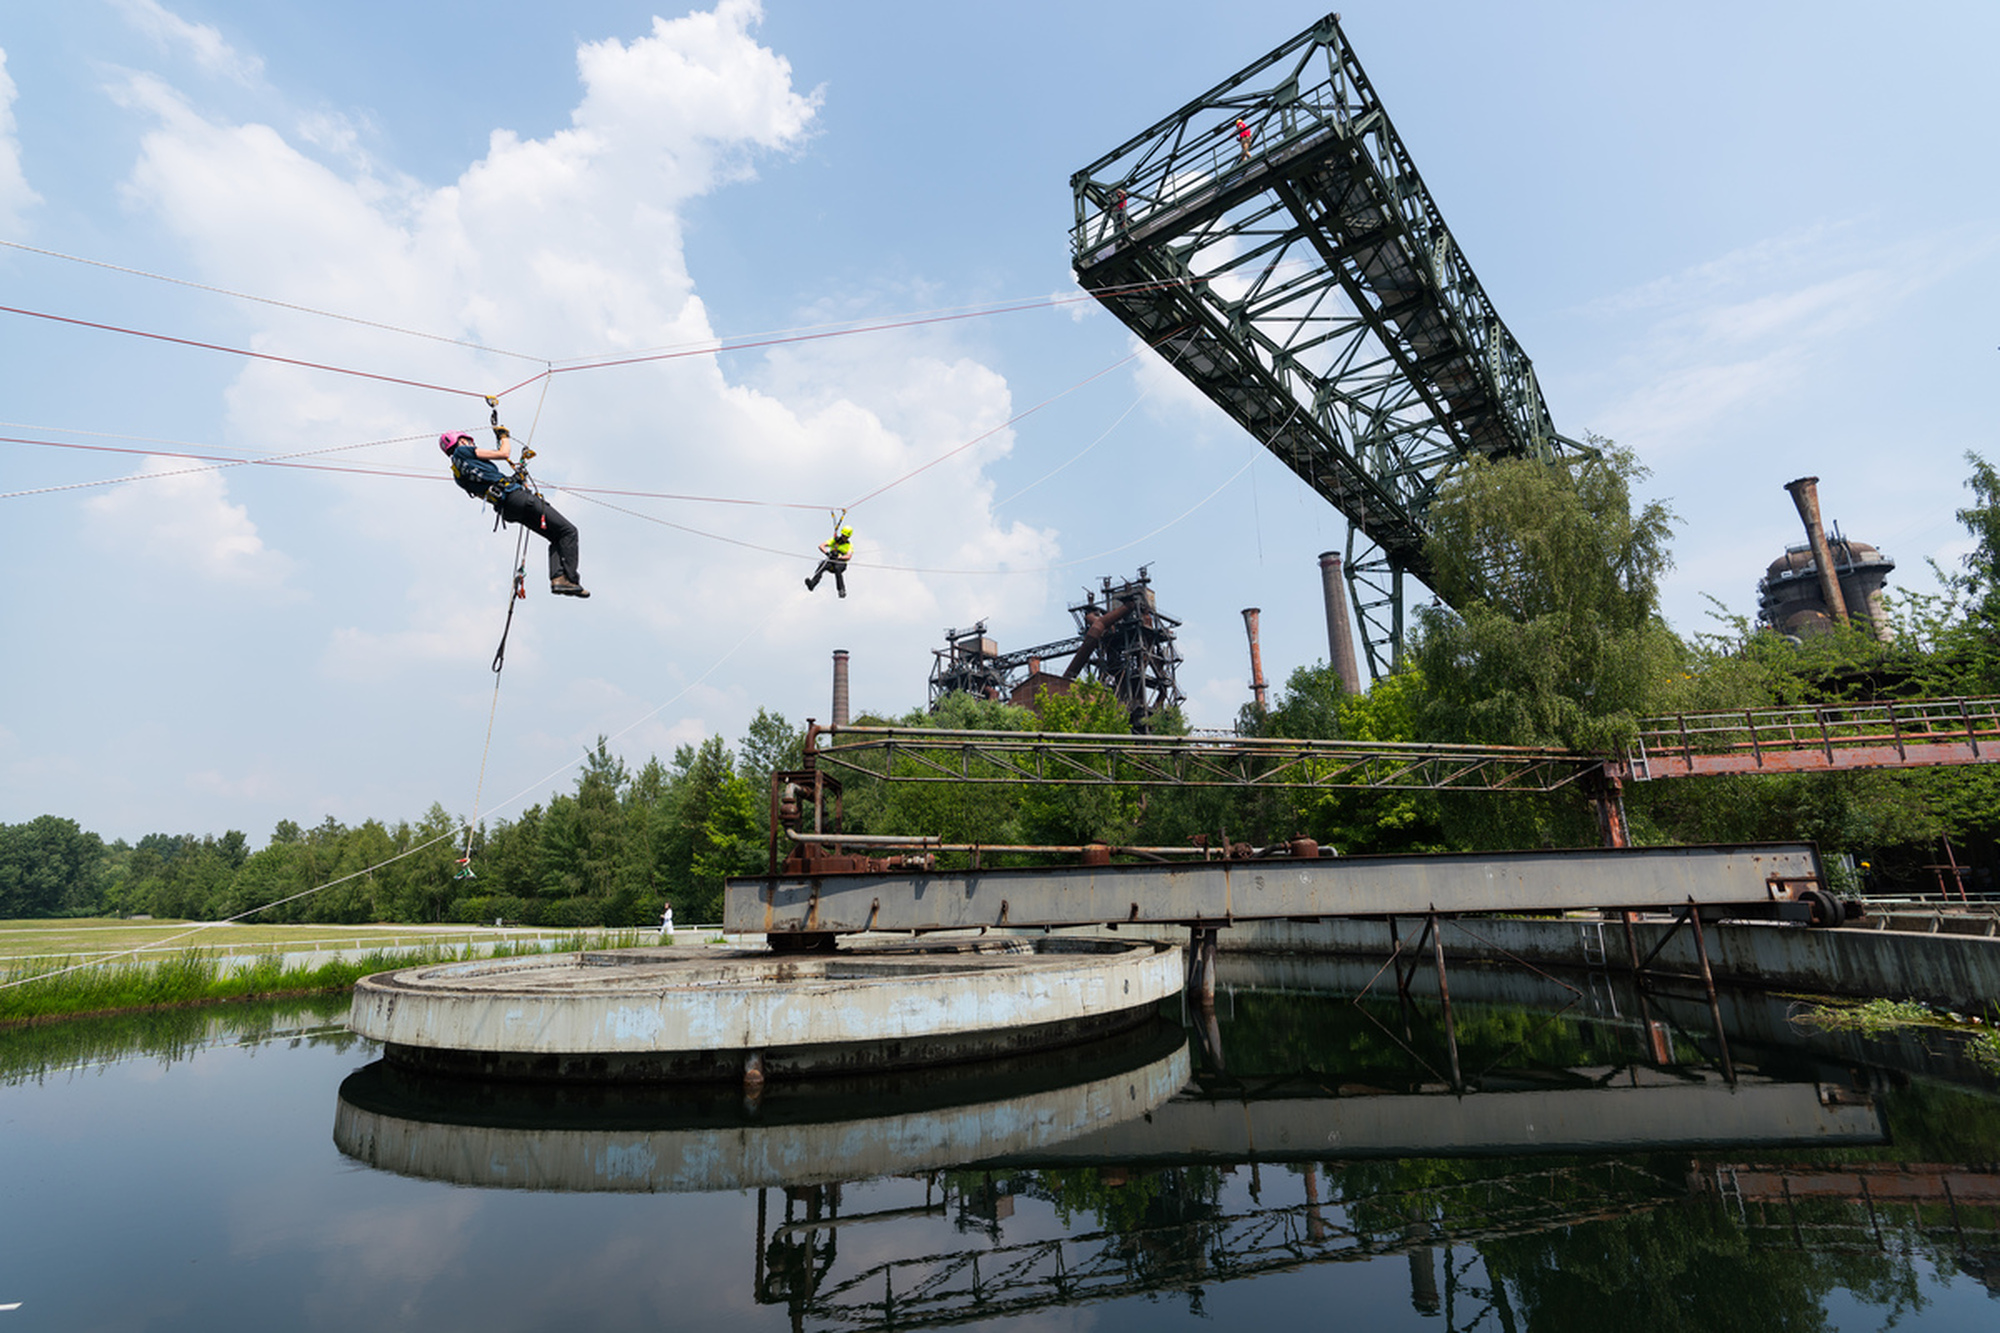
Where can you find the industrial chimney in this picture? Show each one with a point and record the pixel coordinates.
(1250, 614)
(1805, 494)
(840, 687)
(1339, 633)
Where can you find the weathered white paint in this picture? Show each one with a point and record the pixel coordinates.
(746, 1156)
(645, 1001)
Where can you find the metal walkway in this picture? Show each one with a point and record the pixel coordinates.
(1306, 282)
(1916, 733)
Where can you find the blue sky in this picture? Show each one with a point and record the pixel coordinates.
(1752, 243)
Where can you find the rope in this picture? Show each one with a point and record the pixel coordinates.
(228, 920)
(1027, 412)
(212, 463)
(518, 592)
(238, 351)
(217, 463)
(1102, 435)
(266, 300)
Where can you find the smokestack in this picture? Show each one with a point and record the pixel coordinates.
(840, 687)
(1250, 614)
(1339, 633)
(1805, 494)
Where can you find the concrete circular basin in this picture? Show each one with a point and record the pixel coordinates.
(662, 1137)
(747, 1014)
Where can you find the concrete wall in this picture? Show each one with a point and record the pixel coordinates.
(1959, 972)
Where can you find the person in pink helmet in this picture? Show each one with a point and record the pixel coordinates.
(473, 469)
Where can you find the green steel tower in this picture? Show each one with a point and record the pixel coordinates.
(1273, 241)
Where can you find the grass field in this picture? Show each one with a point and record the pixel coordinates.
(83, 939)
(51, 969)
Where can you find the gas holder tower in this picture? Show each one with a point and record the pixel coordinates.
(1294, 267)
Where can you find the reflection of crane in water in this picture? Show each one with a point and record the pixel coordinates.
(1182, 1237)
(1304, 280)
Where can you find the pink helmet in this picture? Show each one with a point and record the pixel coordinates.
(451, 439)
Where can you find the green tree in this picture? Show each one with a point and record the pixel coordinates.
(1551, 635)
(1555, 638)
(1070, 815)
(50, 867)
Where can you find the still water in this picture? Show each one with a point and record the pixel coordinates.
(1306, 1158)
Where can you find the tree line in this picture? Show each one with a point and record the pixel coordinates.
(1548, 633)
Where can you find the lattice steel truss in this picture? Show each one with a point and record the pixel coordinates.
(915, 754)
(1210, 1244)
(1307, 283)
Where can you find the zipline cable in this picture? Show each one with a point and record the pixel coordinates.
(1102, 435)
(516, 592)
(271, 301)
(217, 463)
(240, 351)
(560, 769)
(210, 463)
(723, 343)
(1026, 412)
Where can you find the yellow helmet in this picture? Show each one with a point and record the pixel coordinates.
(847, 532)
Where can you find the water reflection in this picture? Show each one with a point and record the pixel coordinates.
(651, 1138)
(1304, 1156)
(1593, 1156)
(34, 1052)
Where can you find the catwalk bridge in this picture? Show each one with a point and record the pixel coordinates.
(822, 882)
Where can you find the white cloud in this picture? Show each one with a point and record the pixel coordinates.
(1750, 327)
(571, 245)
(206, 45)
(15, 196)
(183, 524)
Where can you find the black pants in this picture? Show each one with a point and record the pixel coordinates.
(531, 511)
(834, 567)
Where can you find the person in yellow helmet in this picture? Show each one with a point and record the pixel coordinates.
(836, 549)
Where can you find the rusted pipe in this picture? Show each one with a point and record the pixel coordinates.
(1805, 494)
(1093, 634)
(1250, 616)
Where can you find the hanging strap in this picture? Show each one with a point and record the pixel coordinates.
(518, 593)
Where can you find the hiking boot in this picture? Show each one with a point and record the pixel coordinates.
(811, 584)
(563, 587)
